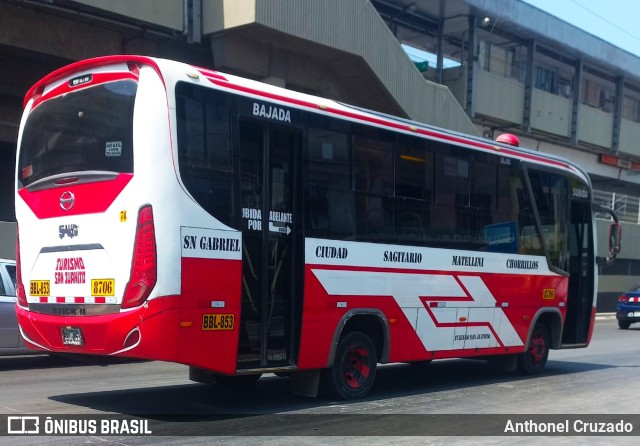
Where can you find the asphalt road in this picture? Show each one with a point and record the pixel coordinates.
(602, 379)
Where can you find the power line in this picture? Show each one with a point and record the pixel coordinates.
(633, 36)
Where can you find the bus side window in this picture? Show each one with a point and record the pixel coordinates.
(373, 181)
(328, 196)
(482, 199)
(449, 213)
(342, 214)
(550, 192)
(529, 238)
(317, 209)
(508, 214)
(204, 151)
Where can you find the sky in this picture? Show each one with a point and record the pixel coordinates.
(615, 21)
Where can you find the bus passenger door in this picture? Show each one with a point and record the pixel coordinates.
(272, 244)
(581, 275)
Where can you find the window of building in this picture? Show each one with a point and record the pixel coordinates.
(500, 60)
(565, 86)
(631, 108)
(546, 79)
(598, 95)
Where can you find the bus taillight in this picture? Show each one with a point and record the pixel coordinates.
(20, 293)
(143, 264)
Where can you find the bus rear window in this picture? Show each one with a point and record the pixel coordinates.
(87, 130)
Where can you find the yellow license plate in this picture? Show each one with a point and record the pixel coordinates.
(39, 288)
(103, 287)
(217, 321)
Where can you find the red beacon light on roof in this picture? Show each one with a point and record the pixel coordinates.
(508, 138)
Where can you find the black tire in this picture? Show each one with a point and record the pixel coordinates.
(354, 368)
(237, 381)
(533, 360)
(624, 324)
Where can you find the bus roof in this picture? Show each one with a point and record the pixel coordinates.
(318, 104)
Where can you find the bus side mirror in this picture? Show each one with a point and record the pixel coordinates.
(615, 236)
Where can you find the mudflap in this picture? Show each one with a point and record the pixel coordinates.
(305, 382)
(202, 376)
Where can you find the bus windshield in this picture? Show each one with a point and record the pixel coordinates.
(86, 130)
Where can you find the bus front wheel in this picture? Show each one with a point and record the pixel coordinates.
(533, 360)
(354, 368)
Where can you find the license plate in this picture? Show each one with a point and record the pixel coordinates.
(72, 336)
(39, 288)
(103, 287)
(217, 321)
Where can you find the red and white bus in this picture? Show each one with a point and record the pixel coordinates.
(175, 213)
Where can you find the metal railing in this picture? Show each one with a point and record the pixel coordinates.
(626, 206)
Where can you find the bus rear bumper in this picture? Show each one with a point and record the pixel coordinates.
(144, 332)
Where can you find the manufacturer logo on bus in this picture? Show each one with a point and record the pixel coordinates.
(85, 78)
(67, 200)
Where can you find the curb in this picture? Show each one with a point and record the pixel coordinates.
(604, 316)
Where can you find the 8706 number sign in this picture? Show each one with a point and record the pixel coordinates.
(103, 287)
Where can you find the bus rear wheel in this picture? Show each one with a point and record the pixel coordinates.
(533, 360)
(354, 368)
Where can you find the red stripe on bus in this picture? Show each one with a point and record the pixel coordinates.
(210, 74)
(89, 198)
(100, 300)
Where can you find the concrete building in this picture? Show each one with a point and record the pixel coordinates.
(499, 65)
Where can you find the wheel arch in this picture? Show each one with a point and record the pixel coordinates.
(552, 319)
(370, 321)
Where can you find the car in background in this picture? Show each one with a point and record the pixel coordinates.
(10, 339)
(628, 310)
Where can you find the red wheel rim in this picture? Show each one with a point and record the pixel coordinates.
(537, 348)
(355, 367)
